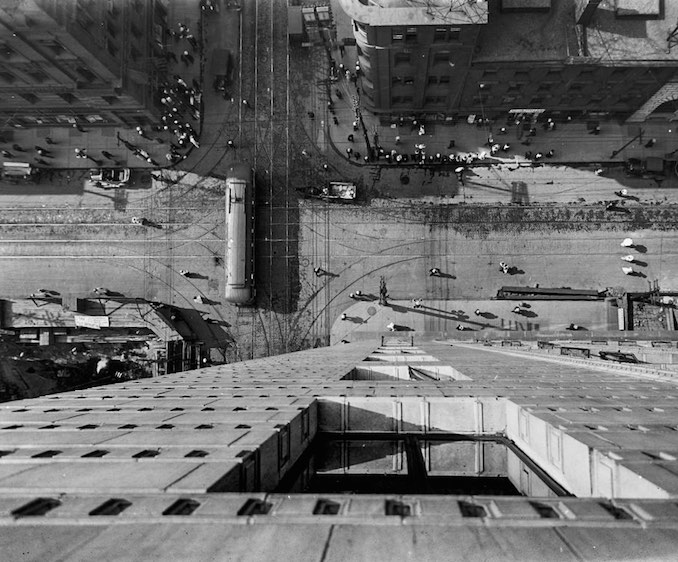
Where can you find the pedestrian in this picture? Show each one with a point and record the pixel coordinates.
(140, 130)
(516, 309)
(199, 299)
(595, 130)
(100, 290)
(433, 272)
(506, 147)
(650, 143)
(6, 153)
(502, 131)
(183, 30)
(351, 296)
(187, 58)
(397, 139)
(550, 153)
(533, 132)
(18, 148)
(49, 140)
(343, 316)
(528, 155)
(230, 143)
(358, 293)
(349, 150)
(416, 303)
(80, 153)
(319, 271)
(538, 156)
(461, 328)
(304, 152)
(192, 41)
(43, 152)
(477, 312)
(599, 172)
(245, 103)
(391, 327)
(77, 127)
(183, 272)
(180, 81)
(310, 114)
(355, 125)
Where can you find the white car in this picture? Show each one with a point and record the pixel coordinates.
(109, 178)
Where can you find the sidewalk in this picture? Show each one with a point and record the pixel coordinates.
(96, 139)
(570, 141)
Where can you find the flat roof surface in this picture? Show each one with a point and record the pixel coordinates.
(416, 12)
(552, 35)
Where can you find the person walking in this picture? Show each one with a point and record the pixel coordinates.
(230, 143)
(6, 153)
(319, 271)
(433, 272)
(42, 151)
(108, 155)
(477, 312)
(517, 310)
(49, 140)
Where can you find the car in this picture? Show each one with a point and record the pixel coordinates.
(109, 177)
(222, 68)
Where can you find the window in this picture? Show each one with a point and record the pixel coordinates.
(491, 74)
(553, 75)
(434, 100)
(411, 35)
(545, 86)
(432, 80)
(576, 86)
(440, 34)
(514, 87)
(395, 80)
(397, 35)
(522, 75)
(408, 80)
(444, 80)
(402, 58)
(283, 445)
(537, 99)
(67, 97)
(86, 73)
(441, 56)
(31, 98)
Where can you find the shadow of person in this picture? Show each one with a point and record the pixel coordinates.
(640, 263)
(640, 248)
(515, 271)
(446, 275)
(637, 274)
(488, 315)
(401, 328)
(529, 313)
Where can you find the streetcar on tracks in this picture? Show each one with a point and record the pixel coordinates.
(240, 234)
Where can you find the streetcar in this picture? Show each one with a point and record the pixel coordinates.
(240, 234)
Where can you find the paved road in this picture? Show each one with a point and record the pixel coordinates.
(358, 245)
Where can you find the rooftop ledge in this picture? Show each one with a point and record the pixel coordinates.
(407, 12)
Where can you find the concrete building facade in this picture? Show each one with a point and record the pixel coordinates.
(369, 450)
(579, 58)
(82, 62)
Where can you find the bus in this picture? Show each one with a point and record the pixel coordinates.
(240, 234)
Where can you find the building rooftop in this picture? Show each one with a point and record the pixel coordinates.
(416, 12)
(166, 466)
(610, 36)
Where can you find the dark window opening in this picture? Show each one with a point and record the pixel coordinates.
(36, 508)
(182, 506)
(111, 507)
(30, 98)
(255, 507)
(196, 453)
(46, 454)
(95, 454)
(146, 454)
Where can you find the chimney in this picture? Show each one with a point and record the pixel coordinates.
(585, 9)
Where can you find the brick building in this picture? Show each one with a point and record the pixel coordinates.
(80, 61)
(578, 58)
(393, 448)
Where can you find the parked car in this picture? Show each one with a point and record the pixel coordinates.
(222, 68)
(109, 178)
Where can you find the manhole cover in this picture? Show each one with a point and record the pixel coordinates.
(371, 311)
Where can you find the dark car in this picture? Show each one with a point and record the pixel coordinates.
(222, 68)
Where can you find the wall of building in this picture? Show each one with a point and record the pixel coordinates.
(79, 60)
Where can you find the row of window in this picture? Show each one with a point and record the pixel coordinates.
(440, 34)
(405, 57)
(9, 77)
(408, 80)
(557, 74)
